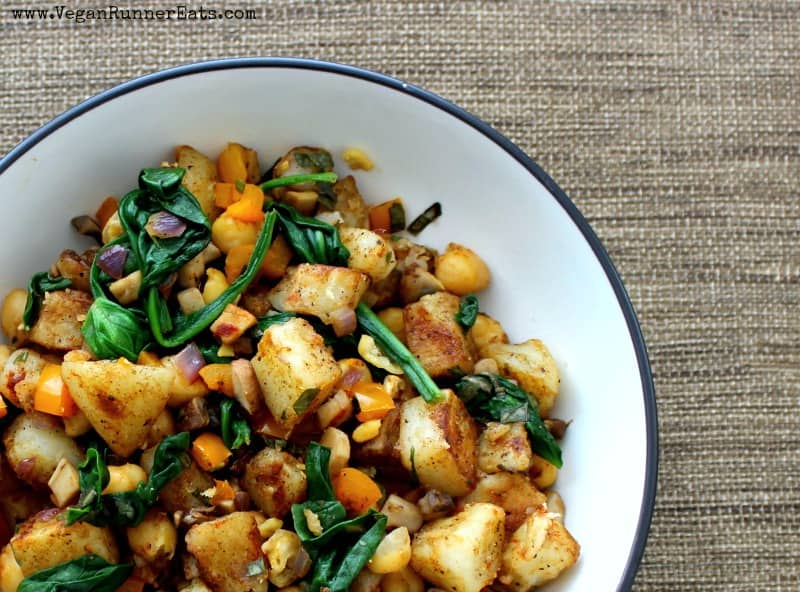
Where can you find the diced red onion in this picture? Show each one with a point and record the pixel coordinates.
(351, 376)
(164, 225)
(166, 287)
(343, 321)
(301, 564)
(112, 261)
(189, 361)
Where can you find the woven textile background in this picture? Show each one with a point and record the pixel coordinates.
(674, 126)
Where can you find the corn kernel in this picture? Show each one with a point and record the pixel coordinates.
(357, 159)
(269, 527)
(367, 431)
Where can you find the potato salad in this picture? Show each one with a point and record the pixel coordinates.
(259, 379)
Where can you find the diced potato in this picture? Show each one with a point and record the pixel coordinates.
(45, 540)
(335, 411)
(227, 550)
(11, 316)
(232, 323)
(10, 573)
(393, 552)
(60, 319)
(401, 512)
(191, 300)
(275, 480)
(318, 290)
(461, 553)
(295, 370)
(369, 252)
(35, 443)
(126, 289)
(154, 539)
(532, 366)
(350, 204)
(513, 492)
(121, 415)
(485, 331)
(19, 376)
(417, 282)
(442, 440)
(405, 580)
(504, 447)
(201, 174)
(434, 336)
(382, 450)
(538, 551)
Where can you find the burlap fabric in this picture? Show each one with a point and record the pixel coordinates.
(674, 126)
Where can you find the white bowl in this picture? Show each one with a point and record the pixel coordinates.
(552, 279)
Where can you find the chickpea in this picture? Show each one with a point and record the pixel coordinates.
(339, 444)
(404, 580)
(11, 315)
(155, 539)
(227, 232)
(486, 331)
(392, 317)
(461, 270)
(216, 284)
(113, 229)
(124, 478)
(393, 552)
(543, 473)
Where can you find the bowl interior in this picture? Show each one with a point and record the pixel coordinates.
(547, 283)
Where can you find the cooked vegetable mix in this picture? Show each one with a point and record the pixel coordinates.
(259, 381)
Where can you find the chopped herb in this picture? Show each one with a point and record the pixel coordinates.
(301, 404)
(235, 429)
(317, 161)
(240, 186)
(21, 358)
(397, 217)
(468, 311)
(425, 218)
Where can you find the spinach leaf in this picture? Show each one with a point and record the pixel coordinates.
(113, 331)
(489, 397)
(429, 215)
(40, 283)
(127, 508)
(209, 348)
(88, 573)
(468, 311)
(172, 332)
(312, 240)
(235, 429)
(397, 353)
(345, 546)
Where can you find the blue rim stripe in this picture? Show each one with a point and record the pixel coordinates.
(651, 467)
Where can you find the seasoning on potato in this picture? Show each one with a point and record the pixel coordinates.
(255, 381)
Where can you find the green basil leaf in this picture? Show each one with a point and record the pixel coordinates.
(127, 508)
(489, 397)
(113, 331)
(468, 311)
(39, 284)
(88, 573)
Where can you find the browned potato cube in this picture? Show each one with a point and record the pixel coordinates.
(461, 553)
(60, 319)
(275, 480)
(232, 323)
(438, 442)
(295, 370)
(228, 553)
(513, 492)
(319, 290)
(504, 447)
(435, 338)
(201, 174)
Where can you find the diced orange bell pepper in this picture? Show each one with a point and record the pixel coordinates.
(380, 216)
(249, 207)
(237, 163)
(218, 377)
(357, 492)
(373, 400)
(132, 584)
(51, 394)
(209, 452)
(225, 194)
(3, 407)
(147, 358)
(222, 492)
(273, 267)
(106, 210)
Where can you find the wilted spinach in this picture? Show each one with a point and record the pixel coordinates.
(345, 546)
(468, 311)
(235, 429)
(40, 283)
(127, 508)
(489, 397)
(314, 241)
(88, 573)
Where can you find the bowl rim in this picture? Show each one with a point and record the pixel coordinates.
(623, 299)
